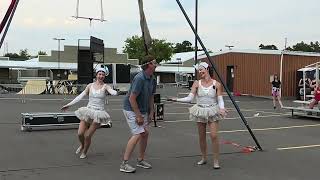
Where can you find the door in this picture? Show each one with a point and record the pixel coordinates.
(230, 77)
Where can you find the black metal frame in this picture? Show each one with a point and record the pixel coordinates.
(7, 25)
(218, 75)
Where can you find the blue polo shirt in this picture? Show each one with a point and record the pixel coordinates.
(144, 86)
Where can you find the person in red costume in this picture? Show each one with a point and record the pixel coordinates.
(316, 96)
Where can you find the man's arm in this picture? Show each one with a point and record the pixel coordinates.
(136, 88)
(135, 108)
(134, 104)
(220, 99)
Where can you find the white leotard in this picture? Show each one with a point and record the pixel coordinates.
(207, 95)
(97, 98)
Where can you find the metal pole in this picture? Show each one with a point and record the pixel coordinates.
(218, 75)
(77, 9)
(59, 58)
(9, 22)
(304, 85)
(59, 39)
(195, 40)
(281, 71)
(101, 11)
(285, 43)
(7, 15)
(317, 75)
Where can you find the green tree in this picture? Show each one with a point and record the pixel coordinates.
(185, 46)
(12, 55)
(270, 47)
(42, 53)
(315, 46)
(302, 46)
(161, 49)
(24, 54)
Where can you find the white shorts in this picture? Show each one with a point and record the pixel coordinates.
(131, 120)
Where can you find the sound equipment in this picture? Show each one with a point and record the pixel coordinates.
(85, 67)
(159, 112)
(157, 98)
(37, 120)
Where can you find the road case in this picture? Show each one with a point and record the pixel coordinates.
(41, 119)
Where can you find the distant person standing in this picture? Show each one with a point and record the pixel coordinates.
(276, 95)
(138, 110)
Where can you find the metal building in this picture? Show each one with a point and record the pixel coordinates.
(250, 71)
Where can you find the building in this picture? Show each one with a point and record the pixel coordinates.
(250, 71)
(179, 69)
(11, 71)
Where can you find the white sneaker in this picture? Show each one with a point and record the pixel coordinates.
(202, 162)
(83, 156)
(144, 164)
(216, 165)
(106, 125)
(125, 167)
(79, 150)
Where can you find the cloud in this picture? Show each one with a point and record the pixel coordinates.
(244, 24)
(28, 21)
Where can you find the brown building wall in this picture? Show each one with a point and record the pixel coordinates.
(291, 63)
(252, 71)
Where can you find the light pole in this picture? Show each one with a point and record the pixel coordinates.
(59, 39)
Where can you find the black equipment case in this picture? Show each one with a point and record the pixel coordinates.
(30, 120)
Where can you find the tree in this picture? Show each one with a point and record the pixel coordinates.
(24, 54)
(315, 46)
(42, 53)
(12, 55)
(270, 47)
(185, 46)
(302, 46)
(160, 49)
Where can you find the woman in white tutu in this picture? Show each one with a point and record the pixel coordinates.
(206, 111)
(94, 114)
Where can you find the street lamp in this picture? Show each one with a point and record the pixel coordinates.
(59, 39)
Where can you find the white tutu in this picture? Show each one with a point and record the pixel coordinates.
(205, 114)
(91, 115)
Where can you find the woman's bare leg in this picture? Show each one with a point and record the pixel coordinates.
(214, 128)
(83, 126)
(88, 135)
(202, 140)
(274, 102)
(279, 100)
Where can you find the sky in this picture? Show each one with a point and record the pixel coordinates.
(243, 24)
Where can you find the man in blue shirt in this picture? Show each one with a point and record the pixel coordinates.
(138, 110)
